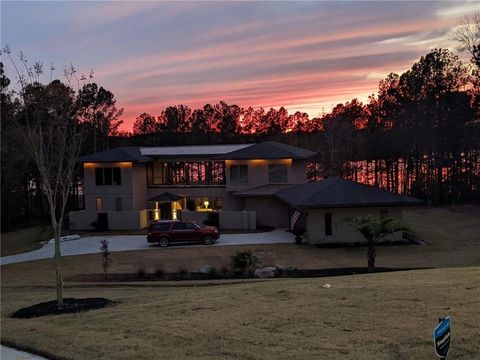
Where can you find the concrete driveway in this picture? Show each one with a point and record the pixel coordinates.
(7, 353)
(91, 244)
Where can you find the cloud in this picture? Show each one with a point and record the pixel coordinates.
(303, 55)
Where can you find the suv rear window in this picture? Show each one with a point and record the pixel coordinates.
(163, 226)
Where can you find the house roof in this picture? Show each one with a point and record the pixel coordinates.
(264, 150)
(269, 150)
(193, 150)
(337, 192)
(166, 197)
(262, 191)
(116, 155)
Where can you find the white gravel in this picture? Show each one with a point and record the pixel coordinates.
(91, 244)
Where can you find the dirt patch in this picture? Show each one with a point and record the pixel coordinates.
(288, 273)
(70, 305)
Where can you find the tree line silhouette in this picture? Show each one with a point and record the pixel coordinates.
(419, 135)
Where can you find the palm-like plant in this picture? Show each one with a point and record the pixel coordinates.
(373, 228)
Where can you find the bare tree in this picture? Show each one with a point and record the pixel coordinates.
(52, 133)
(467, 34)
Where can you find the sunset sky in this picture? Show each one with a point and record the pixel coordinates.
(302, 55)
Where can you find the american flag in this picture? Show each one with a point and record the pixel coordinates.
(294, 219)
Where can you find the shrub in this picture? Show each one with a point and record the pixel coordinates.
(182, 273)
(212, 273)
(142, 273)
(159, 272)
(243, 261)
(105, 252)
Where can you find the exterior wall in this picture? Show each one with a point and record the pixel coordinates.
(258, 172)
(270, 211)
(117, 220)
(139, 186)
(232, 220)
(109, 193)
(341, 232)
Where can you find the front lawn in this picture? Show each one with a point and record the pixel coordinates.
(377, 316)
(23, 240)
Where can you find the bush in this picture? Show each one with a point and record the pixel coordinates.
(243, 261)
(182, 273)
(142, 273)
(212, 273)
(159, 272)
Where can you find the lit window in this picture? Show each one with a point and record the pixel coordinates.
(206, 203)
(98, 204)
(239, 174)
(277, 173)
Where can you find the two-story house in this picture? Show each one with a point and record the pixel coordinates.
(127, 187)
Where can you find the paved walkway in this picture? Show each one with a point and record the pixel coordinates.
(91, 244)
(7, 353)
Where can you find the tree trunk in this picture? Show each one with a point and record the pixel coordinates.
(56, 258)
(371, 256)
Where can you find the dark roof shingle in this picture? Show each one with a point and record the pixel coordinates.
(269, 150)
(262, 191)
(116, 155)
(338, 192)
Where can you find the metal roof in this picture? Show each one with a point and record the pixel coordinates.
(337, 192)
(192, 150)
(263, 150)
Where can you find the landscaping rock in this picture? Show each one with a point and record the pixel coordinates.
(205, 269)
(65, 238)
(266, 272)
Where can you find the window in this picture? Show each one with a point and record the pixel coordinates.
(186, 173)
(208, 203)
(118, 204)
(190, 226)
(108, 176)
(328, 224)
(98, 176)
(239, 174)
(98, 204)
(277, 173)
(117, 176)
(179, 226)
(161, 226)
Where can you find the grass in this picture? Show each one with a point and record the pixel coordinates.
(378, 316)
(23, 240)
(381, 316)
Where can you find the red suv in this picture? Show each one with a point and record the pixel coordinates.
(167, 231)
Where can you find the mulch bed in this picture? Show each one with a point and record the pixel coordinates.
(70, 305)
(290, 273)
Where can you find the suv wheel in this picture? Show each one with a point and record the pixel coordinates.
(163, 242)
(208, 239)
